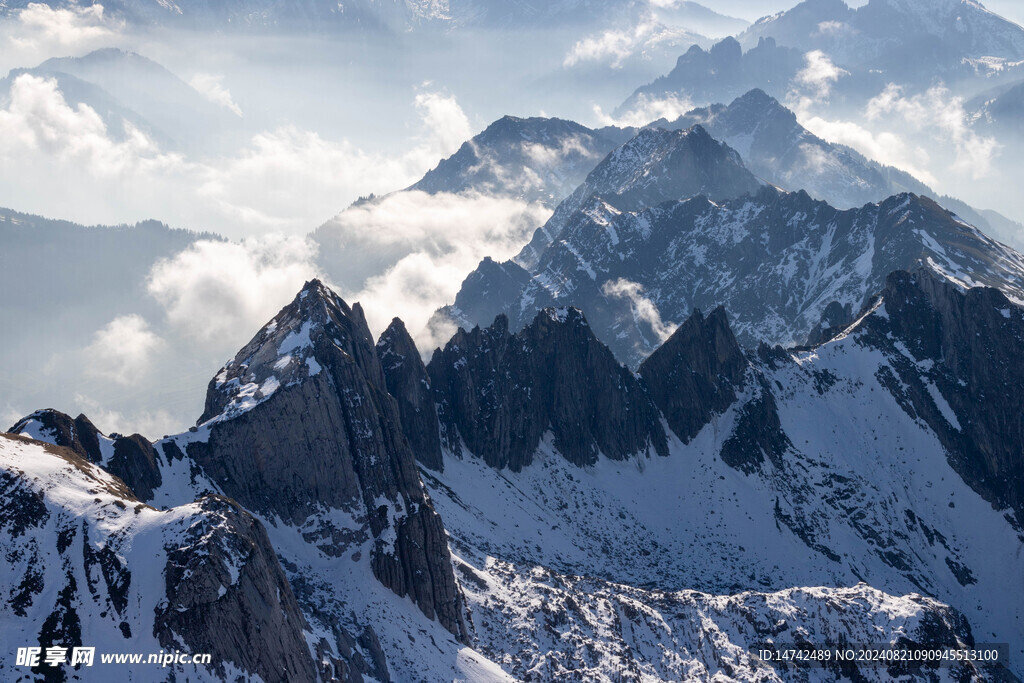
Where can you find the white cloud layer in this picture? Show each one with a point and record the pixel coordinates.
(925, 134)
(647, 109)
(427, 245)
(284, 180)
(615, 46)
(123, 350)
(644, 310)
(219, 293)
(212, 88)
(152, 424)
(942, 116)
(38, 31)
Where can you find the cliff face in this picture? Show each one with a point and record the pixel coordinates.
(301, 422)
(130, 458)
(969, 346)
(501, 392)
(407, 381)
(695, 373)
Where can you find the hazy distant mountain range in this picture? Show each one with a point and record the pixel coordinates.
(402, 15)
(911, 42)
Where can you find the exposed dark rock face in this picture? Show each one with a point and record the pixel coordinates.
(501, 392)
(975, 340)
(301, 420)
(758, 433)
(136, 462)
(407, 381)
(130, 458)
(227, 595)
(53, 426)
(695, 373)
(835, 318)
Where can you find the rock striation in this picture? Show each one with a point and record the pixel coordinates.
(407, 381)
(301, 421)
(499, 393)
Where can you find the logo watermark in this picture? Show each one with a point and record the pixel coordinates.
(36, 657)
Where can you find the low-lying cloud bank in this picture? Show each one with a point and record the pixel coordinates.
(284, 180)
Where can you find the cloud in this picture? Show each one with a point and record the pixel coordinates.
(616, 46)
(210, 86)
(123, 350)
(406, 254)
(284, 180)
(884, 147)
(644, 310)
(547, 157)
(152, 424)
(71, 27)
(39, 122)
(941, 115)
(813, 84)
(221, 292)
(447, 125)
(646, 109)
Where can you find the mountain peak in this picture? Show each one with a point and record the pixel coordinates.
(696, 372)
(286, 351)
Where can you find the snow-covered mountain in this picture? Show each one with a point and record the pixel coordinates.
(914, 43)
(934, 34)
(777, 148)
(398, 15)
(779, 262)
(87, 564)
(880, 466)
(536, 162)
(536, 159)
(656, 165)
(1001, 111)
(859, 460)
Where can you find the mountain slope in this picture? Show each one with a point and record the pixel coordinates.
(777, 148)
(88, 564)
(777, 261)
(879, 32)
(557, 565)
(535, 159)
(654, 166)
(870, 458)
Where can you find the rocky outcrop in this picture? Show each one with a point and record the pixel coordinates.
(101, 568)
(301, 422)
(501, 392)
(967, 348)
(227, 595)
(130, 458)
(656, 166)
(407, 381)
(54, 427)
(695, 373)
